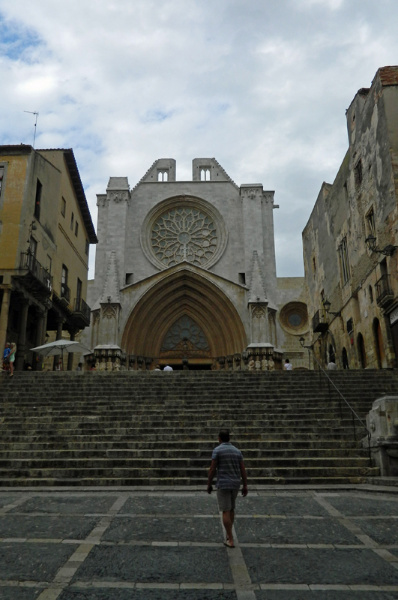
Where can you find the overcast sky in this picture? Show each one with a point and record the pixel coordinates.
(261, 85)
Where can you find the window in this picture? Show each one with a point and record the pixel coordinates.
(72, 221)
(370, 293)
(1, 178)
(39, 188)
(204, 173)
(64, 283)
(163, 175)
(49, 263)
(344, 264)
(78, 291)
(350, 326)
(33, 246)
(76, 228)
(129, 278)
(358, 173)
(242, 278)
(63, 207)
(87, 247)
(370, 222)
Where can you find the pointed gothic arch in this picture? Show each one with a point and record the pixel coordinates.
(184, 293)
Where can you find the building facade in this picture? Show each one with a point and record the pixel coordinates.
(185, 274)
(351, 238)
(45, 234)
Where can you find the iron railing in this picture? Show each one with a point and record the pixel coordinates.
(30, 263)
(65, 292)
(384, 293)
(320, 321)
(354, 415)
(80, 306)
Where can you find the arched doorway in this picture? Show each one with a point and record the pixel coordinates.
(184, 317)
(378, 341)
(344, 359)
(361, 351)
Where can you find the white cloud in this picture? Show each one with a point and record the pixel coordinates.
(262, 86)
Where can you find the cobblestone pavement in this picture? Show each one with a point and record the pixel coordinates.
(128, 544)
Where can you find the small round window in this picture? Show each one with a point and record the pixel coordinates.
(294, 317)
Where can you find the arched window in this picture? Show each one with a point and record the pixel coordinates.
(163, 175)
(331, 354)
(204, 173)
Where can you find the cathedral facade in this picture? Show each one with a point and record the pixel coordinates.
(185, 274)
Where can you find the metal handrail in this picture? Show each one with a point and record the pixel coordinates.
(353, 412)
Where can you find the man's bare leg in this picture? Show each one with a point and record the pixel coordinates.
(228, 521)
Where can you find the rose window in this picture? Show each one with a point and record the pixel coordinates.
(184, 234)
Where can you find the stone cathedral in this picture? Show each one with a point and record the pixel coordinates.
(185, 274)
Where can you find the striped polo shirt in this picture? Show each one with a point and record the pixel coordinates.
(228, 459)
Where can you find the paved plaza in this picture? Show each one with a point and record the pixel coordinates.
(129, 544)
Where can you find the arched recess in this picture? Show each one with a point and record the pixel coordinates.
(184, 293)
(378, 340)
(361, 351)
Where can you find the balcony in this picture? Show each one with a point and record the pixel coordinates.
(384, 293)
(81, 313)
(319, 321)
(65, 293)
(34, 276)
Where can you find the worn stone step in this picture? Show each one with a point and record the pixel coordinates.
(171, 453)
(191, 472)
(100, 428)
(183, 482)
(169, 462)
(153, 446)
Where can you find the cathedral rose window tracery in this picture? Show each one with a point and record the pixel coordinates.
(184, 233)
(184, 229)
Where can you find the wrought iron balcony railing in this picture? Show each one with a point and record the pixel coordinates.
(35, 270)
(320, 321)
(81, 307)
(65, 292)
(384, 293)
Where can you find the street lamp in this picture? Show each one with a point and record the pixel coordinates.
(327, 305)
(371, 244)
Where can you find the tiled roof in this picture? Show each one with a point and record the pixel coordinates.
(388, 75)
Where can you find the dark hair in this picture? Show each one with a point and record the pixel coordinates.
(224, 435)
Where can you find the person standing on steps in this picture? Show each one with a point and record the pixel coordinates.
(13, 351)
(6, 357)
(288, 365)
(227, 463)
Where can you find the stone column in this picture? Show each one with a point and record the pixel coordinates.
(21, 349)
(58, 336)
(40, 332)
(70, 354)
(5, 308)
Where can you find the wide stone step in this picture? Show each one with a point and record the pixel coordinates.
(199, 473)
(177, 464)
(132, 428)
(180, 482)
(66, 439)
(183, 446)
(171, 453)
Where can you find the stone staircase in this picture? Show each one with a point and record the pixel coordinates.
(157, 429)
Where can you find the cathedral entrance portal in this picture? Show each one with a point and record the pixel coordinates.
(184, 320)
(186, 342)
